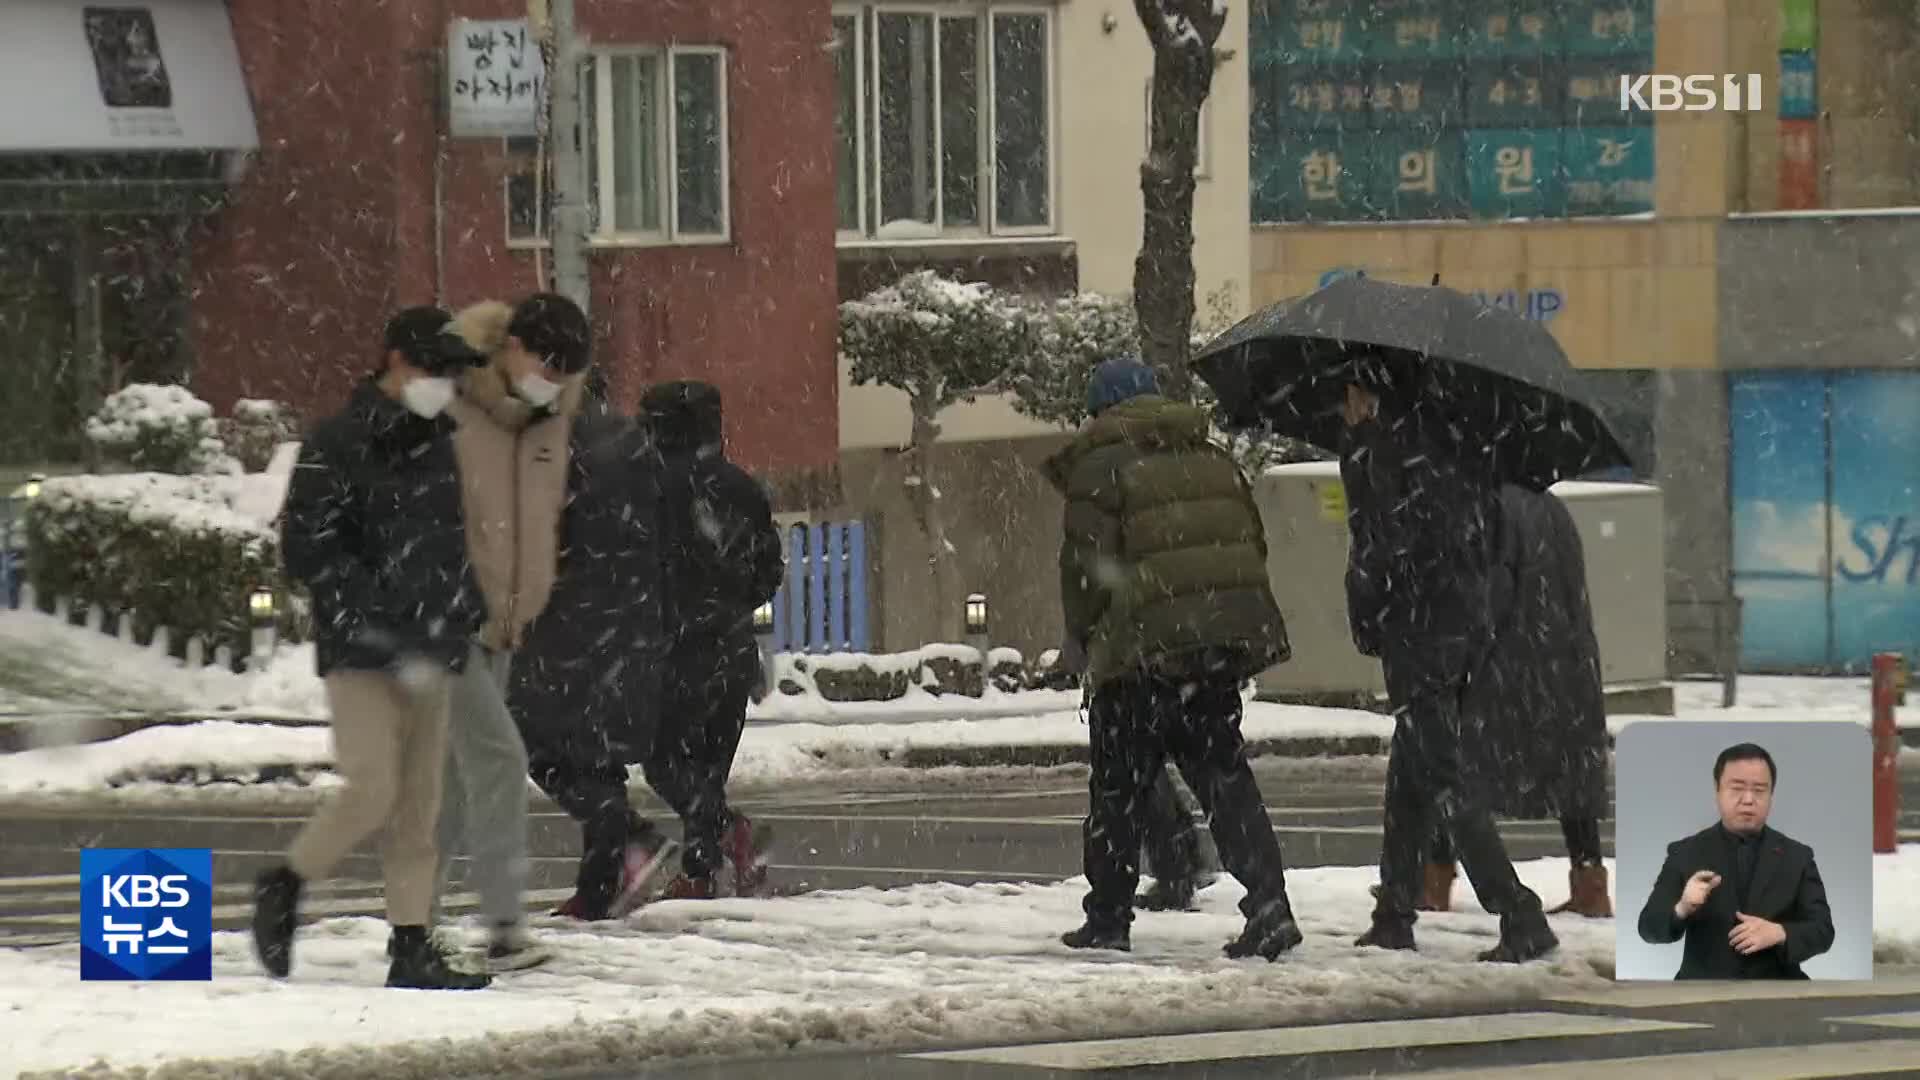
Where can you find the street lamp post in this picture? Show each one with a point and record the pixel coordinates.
(763, 634)
(977, 625)
(266, 634)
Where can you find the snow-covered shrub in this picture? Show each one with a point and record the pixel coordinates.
(861, 676)
(1006, 670)
(256, 428)
(155, 428)
(953, 669)
(172, 550)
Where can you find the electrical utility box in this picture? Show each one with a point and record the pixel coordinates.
(1622, 528)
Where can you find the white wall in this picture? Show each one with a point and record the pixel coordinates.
(1101, 81)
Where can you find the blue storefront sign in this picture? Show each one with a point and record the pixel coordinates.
(1826, 520)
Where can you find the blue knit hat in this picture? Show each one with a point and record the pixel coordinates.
(1115, 381)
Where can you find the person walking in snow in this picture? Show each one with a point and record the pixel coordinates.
(1546, 744)
(1163, 579)
(372, 529)
(721, 560)
(561, 508)
(1420, 583)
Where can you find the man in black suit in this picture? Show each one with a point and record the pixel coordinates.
(1747, 899)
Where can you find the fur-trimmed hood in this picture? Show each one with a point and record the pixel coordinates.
(483, 326)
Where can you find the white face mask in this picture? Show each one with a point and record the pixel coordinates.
(537, 390)
(427, 397)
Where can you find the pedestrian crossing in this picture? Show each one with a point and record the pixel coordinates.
(1703, 1030)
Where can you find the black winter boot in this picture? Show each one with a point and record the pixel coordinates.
(1270, 932)
(418, 965)
(276, 908)
(1523, 937)
(1390, 930)
(1097, 936)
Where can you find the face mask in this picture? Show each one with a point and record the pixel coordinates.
(427, 397)
(537, 390)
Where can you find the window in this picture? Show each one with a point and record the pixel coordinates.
(656, 148)
(944, 120)
(1203, 152)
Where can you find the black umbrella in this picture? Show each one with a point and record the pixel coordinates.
(1501, 383)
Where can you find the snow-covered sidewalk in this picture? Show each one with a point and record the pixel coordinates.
(926, 966)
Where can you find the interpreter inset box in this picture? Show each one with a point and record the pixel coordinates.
(1744, 850)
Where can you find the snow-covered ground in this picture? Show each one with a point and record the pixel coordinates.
(924, 966)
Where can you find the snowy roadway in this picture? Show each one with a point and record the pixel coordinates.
(968, 961)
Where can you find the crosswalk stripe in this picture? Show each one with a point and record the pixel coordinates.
(1880, 1057)
(1105, 1054)
(1668, 995)
(1885, 1020)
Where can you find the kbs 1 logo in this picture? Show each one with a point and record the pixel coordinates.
(146, 914)
(1690, 93)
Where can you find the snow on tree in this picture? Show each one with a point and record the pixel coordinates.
(1076, 333)
(941, 343)
(1183, 33)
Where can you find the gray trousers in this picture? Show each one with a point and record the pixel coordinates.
(483, 809)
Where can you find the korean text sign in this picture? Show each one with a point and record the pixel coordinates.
(496, 78)
(146, 914)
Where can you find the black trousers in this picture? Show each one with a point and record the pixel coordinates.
(1428, 791)
(1136, 723)
(703, 712)
(1582, 835)
(592, 789)
(1171, 837)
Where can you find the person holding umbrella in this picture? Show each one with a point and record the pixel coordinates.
(1420, 586)
(1434, 401)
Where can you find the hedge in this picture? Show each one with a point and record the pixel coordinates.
(170, 550)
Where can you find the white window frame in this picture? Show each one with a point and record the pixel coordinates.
(603, 233)
(1203, 149)
(859, 46)
(867, 120)
(1050, 78)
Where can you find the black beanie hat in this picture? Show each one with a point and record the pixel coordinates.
(425, 336)
(684, 415)
(554, 329)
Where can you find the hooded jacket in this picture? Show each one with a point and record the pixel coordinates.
(371, 528)
(514, 467)
(721, 550)
(1163, 561)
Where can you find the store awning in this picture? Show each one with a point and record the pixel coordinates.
(90, 77)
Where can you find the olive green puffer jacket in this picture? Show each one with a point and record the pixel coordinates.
(1163, 562)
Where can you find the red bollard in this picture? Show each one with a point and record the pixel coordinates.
(1889, 677)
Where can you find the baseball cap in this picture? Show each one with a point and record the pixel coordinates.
(425, 336)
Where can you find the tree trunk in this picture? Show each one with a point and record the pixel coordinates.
(1183, 33)
(924, 496)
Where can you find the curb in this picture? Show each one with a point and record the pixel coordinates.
(102, 727)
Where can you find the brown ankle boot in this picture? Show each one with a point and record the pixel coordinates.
(1587, 886)
(1437, 894)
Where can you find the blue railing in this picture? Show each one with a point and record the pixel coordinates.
(823, 605)
(13, 534)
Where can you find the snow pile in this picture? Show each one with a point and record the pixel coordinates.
(912, 968)
(204, 751)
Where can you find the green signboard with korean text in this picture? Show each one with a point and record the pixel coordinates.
(1516, 173)
(1608, 170)
(1799, 25)
(1448, 108)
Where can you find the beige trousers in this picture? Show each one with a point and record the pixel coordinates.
(390, 746)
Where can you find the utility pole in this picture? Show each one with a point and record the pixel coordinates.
(566, 134)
